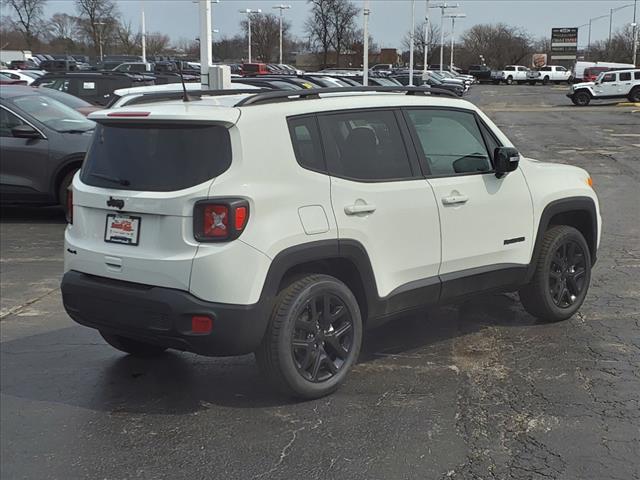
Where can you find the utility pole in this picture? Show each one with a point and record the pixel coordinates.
(412, 37)
(611, 19)
(205, 43)
(589, 41)
(365, 44)
(635, 34)
(99, 29)
(453, 17)
(144, 37)
(426, 39)
(281, 8)
(443, 7)
(248, 12)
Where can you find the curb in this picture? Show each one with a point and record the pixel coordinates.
(628, 104)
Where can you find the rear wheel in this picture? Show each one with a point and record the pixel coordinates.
(634, 95)
(561, 279)
(313, 339)
(581, 98)
(132, 347)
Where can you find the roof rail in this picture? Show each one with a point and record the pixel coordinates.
(152, 97)
(274, 96)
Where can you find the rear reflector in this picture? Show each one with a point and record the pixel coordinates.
(240, 217)
(128, 114)
(201, 324)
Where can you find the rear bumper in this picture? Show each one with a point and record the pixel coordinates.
(162, 316)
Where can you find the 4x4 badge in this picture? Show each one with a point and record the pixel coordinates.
(115, 202)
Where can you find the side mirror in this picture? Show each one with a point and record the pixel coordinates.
(25, 131)
(506, 160)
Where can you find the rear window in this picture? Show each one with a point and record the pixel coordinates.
(156, 158)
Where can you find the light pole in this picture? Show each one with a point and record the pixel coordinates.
(412, 37)
(443, 7)
(589, 41)
(365, 44)
(635, 33)
(453, 17)
(143, 38)
(248, 12)
(611, 19)
(281, 8)
(99, 30)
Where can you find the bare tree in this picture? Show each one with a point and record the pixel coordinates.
(420, 41)
(265, 35)
(97, 19)
(29, 13)
(63, 26)
(500, 44)
(157, 43)
(342, 14)
(129, 43)
(319, 27)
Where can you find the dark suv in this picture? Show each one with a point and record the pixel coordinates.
(42, 145)
(93, 87)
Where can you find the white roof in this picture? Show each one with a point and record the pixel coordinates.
(222, 108)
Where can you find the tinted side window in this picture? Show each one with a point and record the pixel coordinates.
(365, 145)
(509, 69)
(545, 69)
(609, 77)
(451, 141)
(307, 145)
(8, 121)
(636, 75)
(625, 76)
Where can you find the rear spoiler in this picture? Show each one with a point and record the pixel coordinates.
(175, 114)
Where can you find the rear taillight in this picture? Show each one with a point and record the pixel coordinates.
(220, 220)
(69, 206)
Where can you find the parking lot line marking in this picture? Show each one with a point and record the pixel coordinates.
(625, 134)
(628, 104)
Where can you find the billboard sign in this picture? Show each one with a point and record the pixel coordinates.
(538, 60)
(564, 43)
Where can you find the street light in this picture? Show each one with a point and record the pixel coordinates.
(99, 30)
(611, 18)
(281, 8)
(365, 43)
(248, 12)
(412, 36)
(443, 7)
(453, 17)
(591, 20)
(426, 36)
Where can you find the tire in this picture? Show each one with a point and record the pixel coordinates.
(63, 187)
(509, 80)
(496, 82)
(307, 358)
(634, 95)
(132, 347)
(581, 98)
(545, 80)
(532, 83)
(561, 278)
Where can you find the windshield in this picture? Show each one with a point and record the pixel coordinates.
(53, 114)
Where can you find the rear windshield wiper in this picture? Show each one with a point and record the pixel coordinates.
(119, 181)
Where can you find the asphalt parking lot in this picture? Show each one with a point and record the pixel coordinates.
(475, 391)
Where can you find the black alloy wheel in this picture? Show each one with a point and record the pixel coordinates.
(567, 274)
(322, 337)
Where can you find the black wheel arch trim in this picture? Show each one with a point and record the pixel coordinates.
(63, 168)
(565, 205)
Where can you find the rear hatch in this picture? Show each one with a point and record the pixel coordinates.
(134, 198)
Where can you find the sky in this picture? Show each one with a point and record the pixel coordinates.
(389, 20)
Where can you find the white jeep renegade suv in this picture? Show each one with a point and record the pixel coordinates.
(283, 223)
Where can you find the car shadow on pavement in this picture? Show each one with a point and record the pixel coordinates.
(73, 366)
(22, 214)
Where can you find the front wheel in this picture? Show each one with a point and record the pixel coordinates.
(545, 80)
(561, 279)
(509, 80)
(131, 346)
(581, 99)
(313, 338)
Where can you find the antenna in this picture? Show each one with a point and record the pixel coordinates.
(185, 96)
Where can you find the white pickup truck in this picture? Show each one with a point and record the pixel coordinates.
(549, 74)
(511, 74)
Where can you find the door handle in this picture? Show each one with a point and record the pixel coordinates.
(455, 200)
(359, 208)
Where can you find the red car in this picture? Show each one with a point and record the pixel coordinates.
(249, 69)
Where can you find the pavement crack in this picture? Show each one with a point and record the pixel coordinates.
(18, 308)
